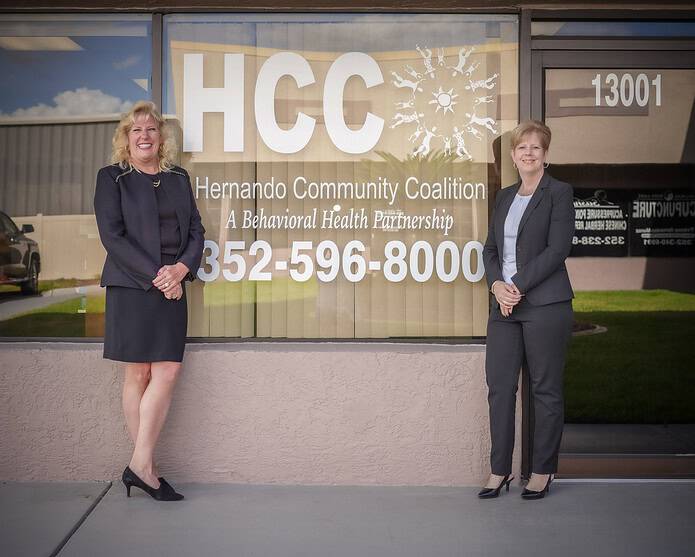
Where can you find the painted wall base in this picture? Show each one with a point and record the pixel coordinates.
(259, 413)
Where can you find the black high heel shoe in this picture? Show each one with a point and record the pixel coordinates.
(163, 493)
(529, 494)
(491, 493)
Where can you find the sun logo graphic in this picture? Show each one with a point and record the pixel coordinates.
(430, 111)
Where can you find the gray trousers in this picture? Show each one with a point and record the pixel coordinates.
(540, 335)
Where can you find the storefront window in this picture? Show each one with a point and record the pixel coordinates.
(343, 165)
(66, 80)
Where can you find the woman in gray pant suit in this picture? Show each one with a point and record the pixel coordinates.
(529, 238)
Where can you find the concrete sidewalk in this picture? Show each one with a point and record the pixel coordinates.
(579, 518)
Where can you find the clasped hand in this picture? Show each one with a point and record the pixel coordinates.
(507, 296)
(168, 280)
(175, 293)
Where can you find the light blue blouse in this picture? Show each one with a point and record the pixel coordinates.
(511, 228)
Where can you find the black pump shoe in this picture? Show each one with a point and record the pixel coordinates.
(163, 493)
(491, 493)
(529, 494)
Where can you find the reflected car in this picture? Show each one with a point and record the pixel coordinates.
(20, 262)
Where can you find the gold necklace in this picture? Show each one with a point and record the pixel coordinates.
(155, 183)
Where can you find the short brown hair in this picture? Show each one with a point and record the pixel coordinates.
(167, 147)
(531, 126)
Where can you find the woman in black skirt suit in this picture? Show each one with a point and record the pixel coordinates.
(151, 230)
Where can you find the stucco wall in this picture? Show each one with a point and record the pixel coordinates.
(288, 413)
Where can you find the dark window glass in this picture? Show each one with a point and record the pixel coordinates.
(613, 29)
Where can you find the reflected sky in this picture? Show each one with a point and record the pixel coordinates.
(89, 68)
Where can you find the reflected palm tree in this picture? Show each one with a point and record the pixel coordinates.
(428, 168)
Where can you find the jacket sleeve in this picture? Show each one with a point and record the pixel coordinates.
(491, 258)
(125, 251)
(193, 252)
(559, 243)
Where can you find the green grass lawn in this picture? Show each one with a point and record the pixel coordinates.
(61, 319)
(633, 300)
(46, 285)
(641, 370)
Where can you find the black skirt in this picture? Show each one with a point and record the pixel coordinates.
(144, 326)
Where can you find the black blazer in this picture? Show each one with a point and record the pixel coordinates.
(128, 219)
(543, 243)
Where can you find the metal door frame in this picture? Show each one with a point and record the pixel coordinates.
(584, 53)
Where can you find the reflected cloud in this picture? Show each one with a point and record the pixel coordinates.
(127, 63)
(80, 102)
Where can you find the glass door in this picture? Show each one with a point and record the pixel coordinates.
(623, 128)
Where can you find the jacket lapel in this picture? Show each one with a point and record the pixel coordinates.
(175, 194)
(535, 200)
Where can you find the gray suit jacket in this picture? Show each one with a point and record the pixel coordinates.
(543, 243)
(128, 219)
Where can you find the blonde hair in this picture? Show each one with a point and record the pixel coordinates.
(120, 153)
(531, 126)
